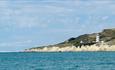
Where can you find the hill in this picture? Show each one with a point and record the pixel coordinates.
(107, 36)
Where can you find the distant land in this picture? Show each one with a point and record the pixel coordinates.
(86, 42)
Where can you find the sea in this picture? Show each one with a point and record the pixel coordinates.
(57, 61)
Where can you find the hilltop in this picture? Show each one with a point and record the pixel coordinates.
(107, 36)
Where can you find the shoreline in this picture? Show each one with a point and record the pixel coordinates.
(92, 48)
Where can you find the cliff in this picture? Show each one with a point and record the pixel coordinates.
(107, 36)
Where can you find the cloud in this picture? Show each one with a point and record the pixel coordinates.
(28, 14)
(38, 19)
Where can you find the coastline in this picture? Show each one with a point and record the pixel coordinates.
(74, 49)
(101, 41)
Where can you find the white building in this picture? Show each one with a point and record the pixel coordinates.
(97, 38)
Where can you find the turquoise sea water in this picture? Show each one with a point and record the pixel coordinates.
(58, 61)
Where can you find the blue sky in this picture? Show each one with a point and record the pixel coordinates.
(30, 23)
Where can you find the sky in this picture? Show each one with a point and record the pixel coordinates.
(31, 23)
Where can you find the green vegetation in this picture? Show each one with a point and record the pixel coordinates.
(107, 35)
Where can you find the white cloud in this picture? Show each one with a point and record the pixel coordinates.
(59, 17)
(29, 15)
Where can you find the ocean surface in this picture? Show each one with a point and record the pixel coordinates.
(57, 61)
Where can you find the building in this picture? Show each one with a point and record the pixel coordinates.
(97, 41)
(97, 38)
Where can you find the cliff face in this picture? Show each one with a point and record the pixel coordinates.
(107, 35)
